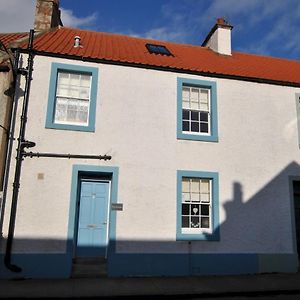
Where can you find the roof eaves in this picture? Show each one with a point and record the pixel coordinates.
(173, 69)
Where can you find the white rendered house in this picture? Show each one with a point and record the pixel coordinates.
(204, 174)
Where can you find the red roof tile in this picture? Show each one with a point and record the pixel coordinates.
(124, 49)
(7, 38)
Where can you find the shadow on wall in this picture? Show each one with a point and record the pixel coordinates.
(257, 236)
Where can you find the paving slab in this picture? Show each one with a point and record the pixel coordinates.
(167, 286)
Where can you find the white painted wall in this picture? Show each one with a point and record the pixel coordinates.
(136, 124)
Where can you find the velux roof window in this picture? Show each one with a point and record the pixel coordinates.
(158, 49)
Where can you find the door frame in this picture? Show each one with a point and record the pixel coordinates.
(92, 171)
(84, 178)
(292, 209)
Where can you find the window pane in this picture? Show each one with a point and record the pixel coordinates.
(203, 127)
(204, 185)
(204, 116)
(61, 109)
(85, 80)
(62, 90)
(195, 197)
(195, 115)
(74, 79)
(195, 127)
(63, 78)
(186, 197)
(84, 93)
(185, 94)
(185, 222)
(204, 95)
(195, 185)
(186, 104)
(185, 126)
(185, 209)
(195, 105)
(185, 114)
(195, 210)
(195, 95)
(74, 92)
(204, 210)
(204, 198)
(185, 185)
(195, 222)
(204, 222)
(204, 106)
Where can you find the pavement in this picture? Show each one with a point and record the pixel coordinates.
(205, 286)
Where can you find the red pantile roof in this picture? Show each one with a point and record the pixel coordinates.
(105, 47)
(7, 38)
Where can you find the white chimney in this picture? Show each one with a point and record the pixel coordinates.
(219, 38)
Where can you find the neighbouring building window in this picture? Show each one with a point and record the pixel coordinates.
(298, 115)
(197, 110)
(197, 204)
(72, 97)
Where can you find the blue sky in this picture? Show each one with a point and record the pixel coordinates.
(267, 27)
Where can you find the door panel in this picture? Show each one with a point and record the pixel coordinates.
(93, 219)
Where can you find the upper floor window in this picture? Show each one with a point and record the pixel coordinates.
(197, 110)
(72, 97)
(72, 103)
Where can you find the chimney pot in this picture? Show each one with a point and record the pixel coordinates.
(77, 41)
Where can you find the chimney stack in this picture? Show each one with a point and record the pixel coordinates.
(219, 38)
(47, 15)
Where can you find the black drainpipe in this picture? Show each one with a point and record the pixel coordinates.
(10, 134)
(21, 145)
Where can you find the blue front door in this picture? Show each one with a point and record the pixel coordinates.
(92, 237)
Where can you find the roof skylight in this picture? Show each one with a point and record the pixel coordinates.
(158, 49)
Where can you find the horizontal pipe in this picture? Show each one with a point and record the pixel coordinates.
(59, 155)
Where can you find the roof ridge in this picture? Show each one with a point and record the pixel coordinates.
(132, 37)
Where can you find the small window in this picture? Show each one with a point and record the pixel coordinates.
(197, 205)
(158, 49)
(72, 97)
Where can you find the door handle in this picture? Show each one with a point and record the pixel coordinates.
(104, 223)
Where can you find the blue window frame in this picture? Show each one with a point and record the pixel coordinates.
(197, 110)
(197, 206)
(298, 115)
(81, 105)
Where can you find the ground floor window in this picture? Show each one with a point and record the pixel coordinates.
(197, 205)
